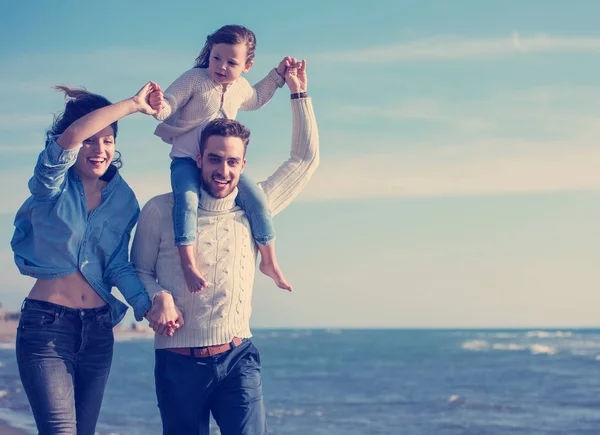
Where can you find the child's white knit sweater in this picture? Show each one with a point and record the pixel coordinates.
(195, 99)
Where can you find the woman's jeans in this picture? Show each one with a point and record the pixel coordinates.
(185, 182)
(64, 356)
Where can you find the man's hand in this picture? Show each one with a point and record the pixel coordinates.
(164, 317)
(295, 76)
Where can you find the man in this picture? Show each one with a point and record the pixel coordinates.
(210, 364)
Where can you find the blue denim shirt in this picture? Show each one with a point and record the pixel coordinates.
(54, 235)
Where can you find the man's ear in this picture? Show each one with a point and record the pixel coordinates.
(248, 66)
(199, 160)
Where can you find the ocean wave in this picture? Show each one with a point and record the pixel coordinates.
(279, 412)
(7, 346)
(537, 349)
(548, 334)
(499, 334)
(508, 346)
(476, 345)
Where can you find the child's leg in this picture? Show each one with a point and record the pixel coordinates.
(185, 181)
(254, 202)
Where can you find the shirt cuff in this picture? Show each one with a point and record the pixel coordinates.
(55, 155)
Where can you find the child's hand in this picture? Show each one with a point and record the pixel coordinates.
(142, 99)
(156, 99)
(283, 66)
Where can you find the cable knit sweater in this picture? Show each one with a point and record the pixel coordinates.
(226, 253)
(195, 99)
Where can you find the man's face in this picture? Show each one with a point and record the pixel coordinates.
(221, 165)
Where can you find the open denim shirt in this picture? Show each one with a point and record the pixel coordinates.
(55, 236)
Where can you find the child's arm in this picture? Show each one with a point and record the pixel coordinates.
(177, 94)
(255, 97)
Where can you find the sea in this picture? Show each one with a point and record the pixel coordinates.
(405, 381)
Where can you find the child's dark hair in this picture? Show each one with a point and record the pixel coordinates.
(226, 128)
(79, 103)
(231, 34)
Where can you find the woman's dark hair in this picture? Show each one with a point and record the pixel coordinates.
(79, 103)
(231, 34)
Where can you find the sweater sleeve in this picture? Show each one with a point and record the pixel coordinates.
(255, 97)
(146, 244)
(289, 179)
(178, 93)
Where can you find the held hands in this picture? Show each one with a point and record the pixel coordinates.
(164, 317)
(157, 101)
(295, 76)
(149, 99)
(283, 66)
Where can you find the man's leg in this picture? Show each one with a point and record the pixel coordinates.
(237, 404)
(182, 387)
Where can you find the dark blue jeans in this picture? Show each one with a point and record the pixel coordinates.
(64, 356)
(229, 385)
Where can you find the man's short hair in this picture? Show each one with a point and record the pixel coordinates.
(226, 128)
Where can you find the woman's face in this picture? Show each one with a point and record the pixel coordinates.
(96, 154)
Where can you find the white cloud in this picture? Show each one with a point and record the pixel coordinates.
(459, 47)
(492, 168)
(487, 167)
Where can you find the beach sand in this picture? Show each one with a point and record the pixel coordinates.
(8, 331)
(5, 429)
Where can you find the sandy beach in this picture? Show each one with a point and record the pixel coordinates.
(5, 429)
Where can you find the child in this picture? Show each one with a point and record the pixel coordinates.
(213, 89)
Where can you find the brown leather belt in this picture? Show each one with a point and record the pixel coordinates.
(205, 352)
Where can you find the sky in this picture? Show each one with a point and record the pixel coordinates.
(458, 185)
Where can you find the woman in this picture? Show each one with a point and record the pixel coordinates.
(72, 235)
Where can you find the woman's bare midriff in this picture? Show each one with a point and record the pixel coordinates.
(72, 291)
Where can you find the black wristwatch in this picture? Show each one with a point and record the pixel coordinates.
(298, 95)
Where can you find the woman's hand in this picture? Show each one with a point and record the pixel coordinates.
(164, 317)
(149, 100)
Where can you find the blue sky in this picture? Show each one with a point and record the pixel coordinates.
(459, 182)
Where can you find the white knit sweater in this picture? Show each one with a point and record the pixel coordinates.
(226, 251)
(195, 99)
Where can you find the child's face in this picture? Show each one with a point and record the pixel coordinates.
(227, 62)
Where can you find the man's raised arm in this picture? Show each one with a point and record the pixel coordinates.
(289, 179)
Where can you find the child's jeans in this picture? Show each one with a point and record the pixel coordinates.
(185, 182)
